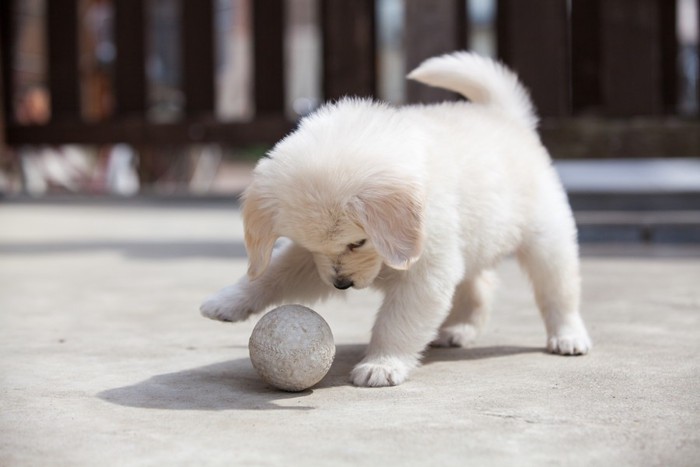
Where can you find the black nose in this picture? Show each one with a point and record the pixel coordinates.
(342, 283)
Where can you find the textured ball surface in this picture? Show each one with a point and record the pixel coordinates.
(292, 347)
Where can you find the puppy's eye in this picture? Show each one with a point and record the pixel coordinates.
(353, 246)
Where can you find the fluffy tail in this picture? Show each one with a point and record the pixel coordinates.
(482, 80)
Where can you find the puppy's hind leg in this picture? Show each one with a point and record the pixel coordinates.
(549, 255)
(291, 276)
(471, 305)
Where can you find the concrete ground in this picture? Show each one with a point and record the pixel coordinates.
(104, 360)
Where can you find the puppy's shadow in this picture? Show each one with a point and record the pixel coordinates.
(234, 384)
(347, 356)
(454, 354)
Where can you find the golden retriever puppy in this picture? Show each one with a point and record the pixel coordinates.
(420, 202)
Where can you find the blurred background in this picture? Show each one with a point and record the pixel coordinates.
(181, 97)
(129, 127)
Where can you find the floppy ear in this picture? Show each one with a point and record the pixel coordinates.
(260, 236)
(392, 216)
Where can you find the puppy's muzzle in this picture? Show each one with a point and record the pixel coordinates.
(342, 282)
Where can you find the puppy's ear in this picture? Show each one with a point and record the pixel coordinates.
(392, 216)
(260, 236)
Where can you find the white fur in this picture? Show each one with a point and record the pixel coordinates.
(440, 193)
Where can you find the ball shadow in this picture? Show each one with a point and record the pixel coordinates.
(229, 385)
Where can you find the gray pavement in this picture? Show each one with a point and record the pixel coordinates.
(104, 360)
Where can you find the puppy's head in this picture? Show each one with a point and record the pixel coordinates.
(344, 187)
(347, 186)
(350, 236)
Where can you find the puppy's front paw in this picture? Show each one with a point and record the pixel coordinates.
(460, 335)
(380, 372)
(228, 304)
(569, 343)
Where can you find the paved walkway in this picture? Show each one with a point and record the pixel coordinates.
(630, 175)
(104, 360)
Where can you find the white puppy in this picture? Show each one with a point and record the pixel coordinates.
(420, 202)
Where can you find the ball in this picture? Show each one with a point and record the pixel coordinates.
(292, 347)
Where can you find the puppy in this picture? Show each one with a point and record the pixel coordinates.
(420, 202)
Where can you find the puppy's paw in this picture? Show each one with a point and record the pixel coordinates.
(380, 372)
(569, 343)
(228, 304)
(459, 335)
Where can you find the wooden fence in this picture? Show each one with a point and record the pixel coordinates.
(603, 73)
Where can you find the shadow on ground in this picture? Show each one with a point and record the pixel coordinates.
(234, 385)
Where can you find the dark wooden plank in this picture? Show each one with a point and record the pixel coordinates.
(669, 55)
(631, 57)
(432, 28)
(7, 80)
(264, 130)
(130, 65)
(587, 138)
(268, 56)
(585, 56)
(533, 38)
(596, 138)
(348, 48)
(198, 82)
(592, 138)
(63, 76)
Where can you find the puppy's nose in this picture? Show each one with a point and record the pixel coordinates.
(342, 283)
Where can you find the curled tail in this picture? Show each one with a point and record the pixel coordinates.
(482, 80)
